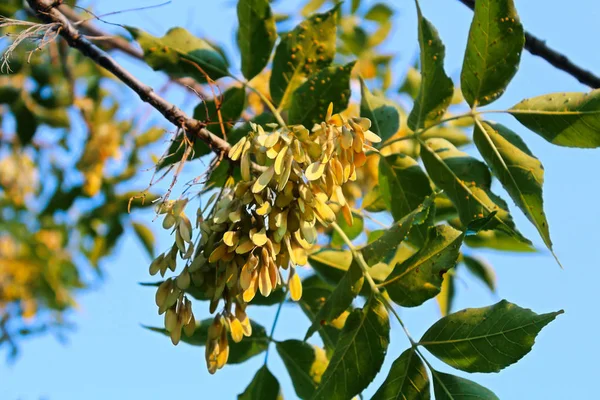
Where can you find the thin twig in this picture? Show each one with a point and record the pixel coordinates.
(538, 47)
(193, 128)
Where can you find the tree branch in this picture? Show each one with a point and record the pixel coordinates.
(538, 47)
(47, 11)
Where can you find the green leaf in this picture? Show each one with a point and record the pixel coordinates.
(565, 119)
(498, 241)
(451, 387)
(238, 352)
(330, 264)
(312, 6)
(493, 52)
(373, 200)
(264, 386)
(178, 51)
(404, 186)
(359, 354)
(407, 379)
(420, 277)
(383, 113)
(354, 6)
(453, 134)
(482, 270)
(310, 100)
(467, 182)
(309, 47)
(146, 237)
(384, 248)
(445, 298)
(519, 171)
(351, 231)
(256, 35)
(315, 291)
(305, 364)
(26, 120)
(340, 299)
(485, 339)
(379, 12)
(436, 89)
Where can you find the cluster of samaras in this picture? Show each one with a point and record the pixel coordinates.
(264, 224)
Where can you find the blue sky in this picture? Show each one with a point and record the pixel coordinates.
(111, 356)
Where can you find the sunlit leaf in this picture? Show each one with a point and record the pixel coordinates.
(493, 52)
(359, 354)
(467, 182)
(179, 53)
(437, 88)
(256, 35)
(330, 264)
(565, 119)
(379, 12)
(485, 339)
(445, 298)
(310, 100)
(419, 278)
(498, 241)
(407, 379)
(305, 364)
(519, 171)
(309, 47)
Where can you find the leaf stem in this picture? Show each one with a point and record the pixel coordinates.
(423, 130)
(357, 255)
(265, 100)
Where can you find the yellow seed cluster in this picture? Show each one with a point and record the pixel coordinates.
(263, 224)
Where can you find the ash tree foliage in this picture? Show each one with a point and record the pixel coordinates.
(306, 148)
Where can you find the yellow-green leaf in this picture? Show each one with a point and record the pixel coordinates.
(519, 171)
(310, 100)
(493, 52)
(419, 278)
(309, 47)
(178, 51)
(467, 183)
(565, 119)
(436, 89)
